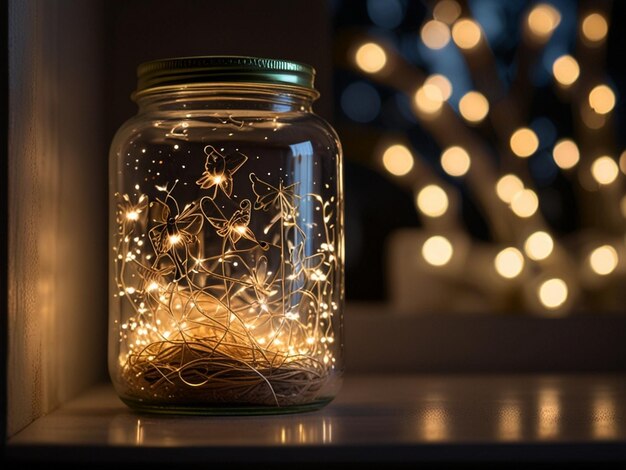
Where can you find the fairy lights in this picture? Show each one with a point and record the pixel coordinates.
(432, 201)
(524, 142)
(371, 58)
(594, 27)
(603, 260)
(525, 203)
(526, 151)
(437, 250)
(553, 293)
(508, 186)
(543, 20)
(509, 263)
(435, 34)
(226, 286)
(466, 33)
(566, 154)
(539, 246)
(566, 70)
(398, 160)
(473, 106)
(455, 161)
(604, 170)
(602, 99)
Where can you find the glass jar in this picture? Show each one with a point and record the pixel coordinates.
(226, 241)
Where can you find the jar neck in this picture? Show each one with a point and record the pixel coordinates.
(229, 97)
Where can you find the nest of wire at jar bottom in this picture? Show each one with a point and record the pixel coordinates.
(177, 375)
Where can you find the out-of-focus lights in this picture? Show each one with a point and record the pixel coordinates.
(543, 19)
(447, 11)
(566, 154)
(466, 33)
(508, 186)
(437, 250)
(602, 99)
(442, 83)
(604, 170)
(566, 70)
(538, 246)
(594, 27)
(428, 99)
(524, 142)
(370, 57)
(623, 206)
(435, 34)
(603, 260)
(525, 203)
(509, 263)
(553, 293)
(455, 161)
(432, 201)
(473, 106)
(398, 160)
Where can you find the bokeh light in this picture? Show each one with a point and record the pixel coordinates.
(509, 262)
(360, 101)
(602, 99)
(447, 11)
(525, 203)
(432, 201)
(370, 57)
(466, 33)
(437, 250)
(538, 246)
(553, 293)
(603, 260)
(398, 160)
(524, 142)
(508, 186)
(435, 34)
(604, 170)
(442, 83)
(543, 20)
(428, 99)
(594, 27)
(455, 161)
(473, 106)
(566, 154)
(566, 70)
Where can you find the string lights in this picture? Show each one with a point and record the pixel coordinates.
(552, 269)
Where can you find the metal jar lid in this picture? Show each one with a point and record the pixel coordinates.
(223, 69)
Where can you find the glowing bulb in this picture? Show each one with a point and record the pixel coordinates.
(466, 33)
(435, 34)
(153, 286)
(566, 154)
(509, 263)
(432, 201)
(602, 99)
(429, 99)
(553, 293)
(508, 186)
(525, 203)
(473, 106)
(370, 57)
(604, 170)
(447, 11)
(455, 161)
(132, 215)
(539, 246)
(603, 260)
(524, 142)
(543, 19)
(398, 160)
(594, 27)
(442, 83)
(174, 239)
(240, 229)
(566, 70)
(217, 179)
(437, 250)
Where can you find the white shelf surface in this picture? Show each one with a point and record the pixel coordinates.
(374, 418)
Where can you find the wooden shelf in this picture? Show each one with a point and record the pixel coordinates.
(374, 418)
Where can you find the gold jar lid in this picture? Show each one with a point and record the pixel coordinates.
(223, 69)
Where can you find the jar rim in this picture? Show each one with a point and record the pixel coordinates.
(211, 69)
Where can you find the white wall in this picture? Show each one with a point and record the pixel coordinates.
(57, 201)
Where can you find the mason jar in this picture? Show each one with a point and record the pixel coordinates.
(226, 241)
